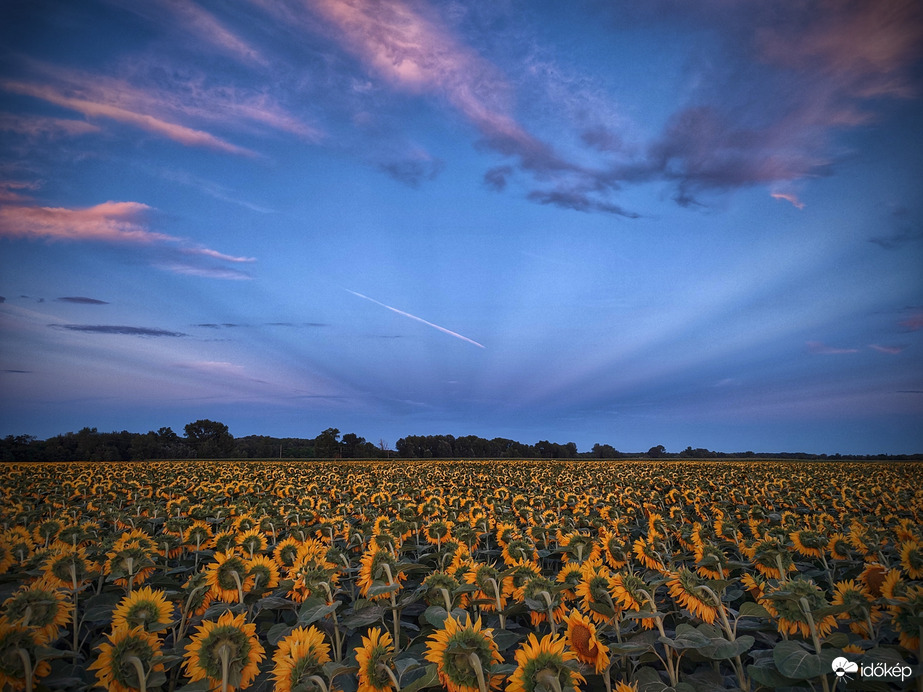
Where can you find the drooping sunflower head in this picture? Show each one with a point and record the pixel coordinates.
(434, 583)
(374, 659)
(809, 543)
(68, 567)
(378, 567)
(228, 577)
(40, 606)
(912, 558)
(145, 607)
(905, 618)
(793, 604)
(13, 640)
(130, 654)
(545, 663)
(594, 591)
(463, 653)
(581, 636)
(684, 587)
(299, 656)
(227, 647)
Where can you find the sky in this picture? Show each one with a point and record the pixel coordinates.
(637, 224)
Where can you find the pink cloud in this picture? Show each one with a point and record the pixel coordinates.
(90, 108)
(114, 222)
(821, 348)
(790, 198)
(38, 126)
(914, 322)
(206, 26)
(117, 223)
(891, 350)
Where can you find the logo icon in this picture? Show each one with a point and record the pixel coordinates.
(843, 666)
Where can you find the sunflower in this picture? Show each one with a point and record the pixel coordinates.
(228, 578)
(145, 608)
(13, 669)
(860, 603)
(68, 567)
(684, 588)
(38, 606)
(912, 558)
(569, 578)
(378, 568)
(544, 663)
(130, 564)
(438, 582)
(519, 550)
(581, 636)
(873, 576)
(627, 590)
(519, 573)
(227, 650)
(464, 655)
(906, 616)
(374, 659)
(286, 551)
(127, 660)
(594, 591)
(809, 543)
(838, 546)
(489, 594)
(614, 549)
(646, 552)
(265, 573)
(536, 589)
(252, 542)
(785, 604)
(299, 656)
(768, 556)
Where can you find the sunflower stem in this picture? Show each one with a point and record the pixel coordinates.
(394, 611)
(549, 679)
(240, 586)
(493, 582)
(139, 669)
(478, 670)
(225, 654)
(547, 597)
(336, 624)
(806, 609)
(26, 667)
(319, 681)
(445, 597)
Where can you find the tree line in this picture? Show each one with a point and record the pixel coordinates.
(207, 439)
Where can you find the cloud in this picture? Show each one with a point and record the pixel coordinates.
(17, 372)
(418, 319)
(413, 171)
(116, 223)
(891, 350)
(913, 323)
(497, 177)
(788, 197)
(81, 300)
(90, 108)
(10, 190)
(579, 201)
(897, 239)
(821, 348)
(117, 329)
(2, 299)
(41, 127)
(212, 325)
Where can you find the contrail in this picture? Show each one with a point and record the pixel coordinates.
(419, 319)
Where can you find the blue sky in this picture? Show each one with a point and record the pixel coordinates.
(675, 223)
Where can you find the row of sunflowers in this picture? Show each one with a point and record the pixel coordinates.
(538, 576)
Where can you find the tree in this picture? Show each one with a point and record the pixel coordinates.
(210, 439)
(326, 445)
(605, 451)
(656, 452)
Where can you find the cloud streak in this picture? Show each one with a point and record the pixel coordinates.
(115, 223)
(117, 329)
(418, 319)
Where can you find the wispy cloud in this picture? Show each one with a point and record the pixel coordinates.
(891, 350)
(117, 329)
(913, 323)
(418, 319)
(93, 109)
(117, 223)
(36, 126)
(788, 197)
(818, 347)
(82, 300)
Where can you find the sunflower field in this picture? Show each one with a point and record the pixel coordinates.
(531, 576)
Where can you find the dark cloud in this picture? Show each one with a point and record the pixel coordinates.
(601, 139)
(117, 329)
(81, 300)
(413, 172)
(496, 178)
(296, 324)
(578, 201)
(214, 325)
(2, 299)
(18, 372)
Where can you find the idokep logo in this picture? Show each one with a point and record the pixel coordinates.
(846, 669)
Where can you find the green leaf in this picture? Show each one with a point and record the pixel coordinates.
(837, 640)
(504, 639)
(436, 616)
(751, 609)
(365, 616)
(793, 661)
(278, 632)
(429, 679)
(766, 674)
(307, 616)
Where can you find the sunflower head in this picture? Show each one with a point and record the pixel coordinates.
(793, 605)
(684, 587)
(374, 659)
(130, 655)
(38, 606)
(300, 655)
(542, 663)
(145, 607)
(224, 650)
(581, 637)
(464, 655)
(13, 639)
